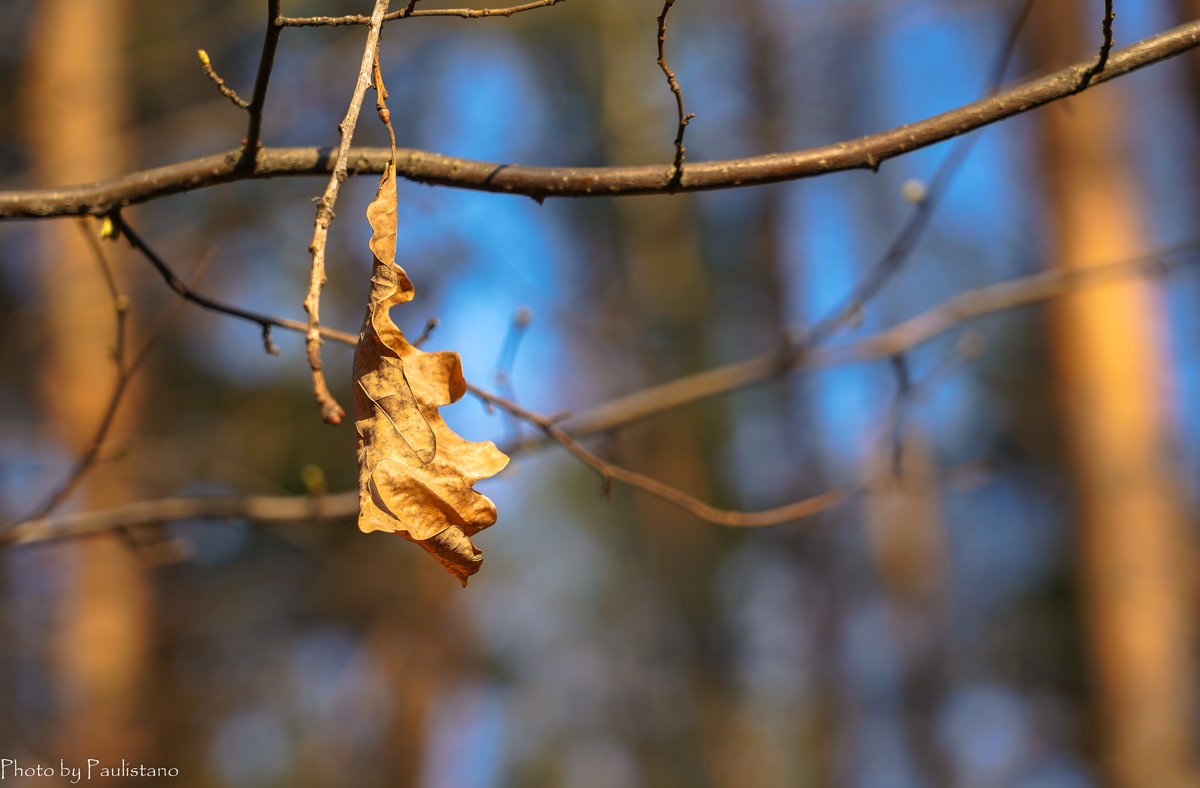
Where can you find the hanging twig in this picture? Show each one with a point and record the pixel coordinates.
(331, 411)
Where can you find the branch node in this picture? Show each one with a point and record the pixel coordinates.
(268, 344)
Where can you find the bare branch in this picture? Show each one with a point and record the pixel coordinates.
(542, 182)
(738, 519)
(125, 372)
(464, 13)
(331, 411)
(265, 322)
(894, 341)
(426, 332)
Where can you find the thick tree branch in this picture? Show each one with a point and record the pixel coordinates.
(542, 182)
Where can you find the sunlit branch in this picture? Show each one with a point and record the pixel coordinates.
(463, 13)
(331, 411)
(542, 182)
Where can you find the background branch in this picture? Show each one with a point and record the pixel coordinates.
(896, 340)
(258, 508)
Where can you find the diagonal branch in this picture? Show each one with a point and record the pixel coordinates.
(331, 411)
(737, 519)
(893, 341)
(541, 182)
(126, 369)
(265, 322)
(894, 258)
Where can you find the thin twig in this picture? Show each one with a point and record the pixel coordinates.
(1106, 42)
(426, 332)
(331, 411)
(226, 91)
(289, 509)
(506, 359)
(542, 182)
(677, 166)
(265, 322)
(463, 13)
(507, 356)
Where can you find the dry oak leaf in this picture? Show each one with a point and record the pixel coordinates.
(415, 475)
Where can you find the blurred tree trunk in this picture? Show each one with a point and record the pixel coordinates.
(1133, 540)
(74, 113)
(663, 298)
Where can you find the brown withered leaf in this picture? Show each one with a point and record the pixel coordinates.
(415, 475)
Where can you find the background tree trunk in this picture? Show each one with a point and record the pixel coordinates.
(1133, 543)
(76, 117)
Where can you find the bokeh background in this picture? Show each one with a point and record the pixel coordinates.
(966, 623)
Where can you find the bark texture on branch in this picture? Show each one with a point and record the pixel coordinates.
(540, 182)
